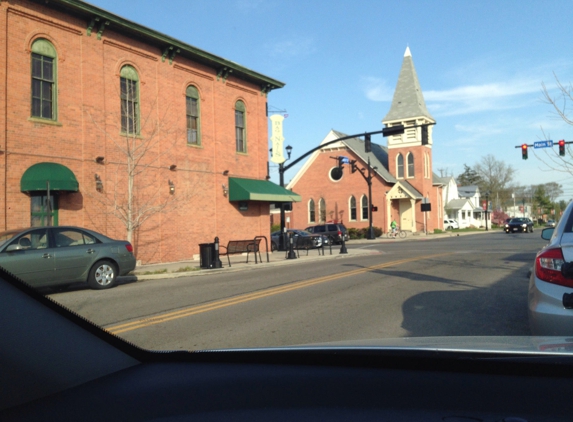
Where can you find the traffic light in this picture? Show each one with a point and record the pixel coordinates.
(367, 143)
(425, 135)
(562, 148)
(524, 151)
(353, 166)
(341, 162)
(393, 130)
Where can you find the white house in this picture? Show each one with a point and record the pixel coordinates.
(462, 203)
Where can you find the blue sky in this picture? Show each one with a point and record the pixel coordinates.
(481, 65)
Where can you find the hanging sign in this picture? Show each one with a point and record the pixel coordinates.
(277, 139)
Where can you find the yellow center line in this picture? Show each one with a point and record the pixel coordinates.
(223, 303)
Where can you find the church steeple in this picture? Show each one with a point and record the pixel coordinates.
(408, 102)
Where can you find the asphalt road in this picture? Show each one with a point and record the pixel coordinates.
(457, 286)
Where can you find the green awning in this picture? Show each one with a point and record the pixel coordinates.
(59, 176)
(259, 190)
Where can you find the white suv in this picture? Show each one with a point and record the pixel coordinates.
(450, 224)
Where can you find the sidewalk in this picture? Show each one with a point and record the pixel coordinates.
(238, 262)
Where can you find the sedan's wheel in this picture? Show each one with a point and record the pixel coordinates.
(102, 275)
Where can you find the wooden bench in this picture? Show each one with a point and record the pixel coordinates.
(243, 246)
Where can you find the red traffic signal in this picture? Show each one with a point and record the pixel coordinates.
(562, 148)
(524, 151)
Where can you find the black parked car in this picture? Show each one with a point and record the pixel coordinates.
(317, 239)
(334, 231)
(519, 225)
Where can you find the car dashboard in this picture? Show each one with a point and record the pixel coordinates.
(58, 366)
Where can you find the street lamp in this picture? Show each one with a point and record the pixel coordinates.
(282, 240)
(486, 208)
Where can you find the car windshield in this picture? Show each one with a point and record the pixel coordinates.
(189, 176)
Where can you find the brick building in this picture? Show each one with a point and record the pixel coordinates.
(96, 109)
(402, 171)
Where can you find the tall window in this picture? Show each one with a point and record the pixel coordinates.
(427, 165)
(193, 132)
(352, 208)
(410, 164)
(322, 210)
(311, 211)
(400, 166)
(44, 80)
(129, 89)
(240, 131)
(364, 207)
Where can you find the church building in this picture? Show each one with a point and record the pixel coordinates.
(404, 187)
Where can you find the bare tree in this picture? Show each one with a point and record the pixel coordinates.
(562, 104)
(142, 146)
(495, 177)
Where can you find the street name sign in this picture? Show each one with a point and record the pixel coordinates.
(543, 144)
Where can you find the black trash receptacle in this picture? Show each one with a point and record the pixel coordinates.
(207, 255)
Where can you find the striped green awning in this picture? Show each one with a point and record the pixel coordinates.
(59, 176)
(259, 190)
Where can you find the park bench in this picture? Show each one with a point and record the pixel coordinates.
(243, 246)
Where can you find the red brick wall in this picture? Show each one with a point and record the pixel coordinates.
(316, 183)
(88, 126)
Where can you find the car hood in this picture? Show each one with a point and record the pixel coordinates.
(499, 345)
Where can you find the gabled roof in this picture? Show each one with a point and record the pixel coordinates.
(468, 190)
(408, 101)
(412, 191)
(458, 204)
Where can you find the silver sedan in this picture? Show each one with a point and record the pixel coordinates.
(550, 301)
(51, 256)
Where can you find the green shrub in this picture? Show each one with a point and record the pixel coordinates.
(437, 231)
(275, 228)
(362, 233)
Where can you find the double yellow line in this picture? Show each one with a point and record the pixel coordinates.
(223, 303)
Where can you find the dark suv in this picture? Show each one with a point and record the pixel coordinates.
(332, 230)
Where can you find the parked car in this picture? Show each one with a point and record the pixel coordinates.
(51, 256)
(520, 224)
(334, 231)
(450, 223)
(318, 240)
(550, 304)
(550, 223)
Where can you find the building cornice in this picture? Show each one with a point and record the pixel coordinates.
(99, 20)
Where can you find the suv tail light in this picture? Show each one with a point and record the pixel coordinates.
(129, 247)
(548, 267)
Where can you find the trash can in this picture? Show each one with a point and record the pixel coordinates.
(207, 255)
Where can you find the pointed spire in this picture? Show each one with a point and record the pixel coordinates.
(408, 101)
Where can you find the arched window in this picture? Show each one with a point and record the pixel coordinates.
(352, 208)
(322, 210)
(44, 87)
(410, 165)
(129, 90)
(240, 127)
(364, 202)
(311, 211)
(192, 111)
(400, 166)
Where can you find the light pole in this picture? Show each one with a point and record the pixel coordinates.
(282, 237)
(486, 208)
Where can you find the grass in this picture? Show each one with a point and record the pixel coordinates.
(186, 269)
